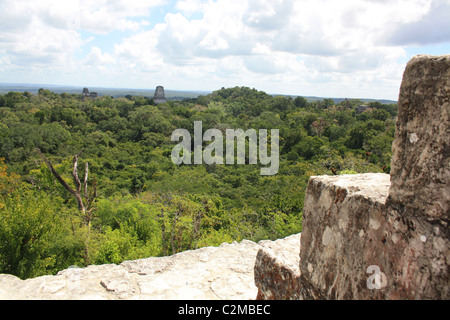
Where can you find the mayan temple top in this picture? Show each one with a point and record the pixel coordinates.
(159, 96)
(87, 94)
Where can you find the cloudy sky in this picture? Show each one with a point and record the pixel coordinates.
(328, 48)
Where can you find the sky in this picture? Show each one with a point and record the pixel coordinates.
(326, 48)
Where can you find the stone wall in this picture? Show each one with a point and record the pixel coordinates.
(420, 179)
(420, 166)
(210, 273)
(375, 236)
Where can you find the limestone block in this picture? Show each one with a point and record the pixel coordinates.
(343, 228)
(276, 269)
(420, 167)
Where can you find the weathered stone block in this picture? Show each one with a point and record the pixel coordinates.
(352, 238)
(344, 232)
(276, 270)
(420, 167)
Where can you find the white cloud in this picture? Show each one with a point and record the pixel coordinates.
(268, 15)
(432, 27)
(97, 58)
(104, 16)
(188, 7)
(13, 17)
(38, 44)
(139, 53)
(310, 47)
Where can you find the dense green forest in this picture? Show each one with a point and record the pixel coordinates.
(144, 204)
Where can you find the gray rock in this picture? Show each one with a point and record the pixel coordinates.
(211, 273)
(277, 270)
(420, 166)
(343, 230)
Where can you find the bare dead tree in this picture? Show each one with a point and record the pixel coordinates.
(172, 236)
(86, 205)
(163, 229)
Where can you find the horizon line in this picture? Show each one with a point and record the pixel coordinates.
(42, 85)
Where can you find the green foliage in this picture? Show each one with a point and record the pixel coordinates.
(34, 237)
(147, 206)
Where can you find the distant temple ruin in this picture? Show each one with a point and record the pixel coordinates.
(159, 96)
(87, 94)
